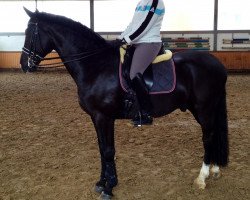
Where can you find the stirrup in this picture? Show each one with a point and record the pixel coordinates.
(142, 119)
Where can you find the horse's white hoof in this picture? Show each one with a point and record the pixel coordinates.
(200, 184)
(216, 175)
(216, 172)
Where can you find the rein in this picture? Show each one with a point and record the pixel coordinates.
(34, 57)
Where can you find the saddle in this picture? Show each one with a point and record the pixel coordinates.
(126, 55)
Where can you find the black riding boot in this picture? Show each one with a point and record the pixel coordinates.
(145, 105)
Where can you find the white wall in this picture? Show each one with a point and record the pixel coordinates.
(11, 43)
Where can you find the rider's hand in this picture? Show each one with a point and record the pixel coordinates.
(120, 42)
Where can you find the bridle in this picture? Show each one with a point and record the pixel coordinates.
(34, 57)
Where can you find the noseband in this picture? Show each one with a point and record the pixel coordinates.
(34, 57)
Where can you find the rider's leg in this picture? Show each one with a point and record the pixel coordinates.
(144, 54)
(145, 111)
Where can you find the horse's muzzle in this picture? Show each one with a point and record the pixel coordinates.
(27, 65)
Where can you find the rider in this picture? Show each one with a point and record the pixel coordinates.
(144, 34)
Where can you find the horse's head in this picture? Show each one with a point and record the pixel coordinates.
(37, 43)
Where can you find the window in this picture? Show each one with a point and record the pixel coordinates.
(188, 15)
(114, 15)
(16, 18)
(233, 15)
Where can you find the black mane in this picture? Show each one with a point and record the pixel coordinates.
(77, 27)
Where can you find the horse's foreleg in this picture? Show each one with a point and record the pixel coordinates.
(100, 185)
(105, 132)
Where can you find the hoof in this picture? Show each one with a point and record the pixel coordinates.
(200, 184)
(99, 189)
(105, 196)
(216, 175)
(216, 172)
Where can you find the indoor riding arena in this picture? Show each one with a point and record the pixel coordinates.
(48, 143)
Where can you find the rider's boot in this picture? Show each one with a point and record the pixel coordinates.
(145, 106)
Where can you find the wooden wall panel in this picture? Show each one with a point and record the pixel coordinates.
(246, 61)
(237, 61)
(9, 59)
(12, 59)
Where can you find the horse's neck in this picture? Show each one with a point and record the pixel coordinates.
(65, 43)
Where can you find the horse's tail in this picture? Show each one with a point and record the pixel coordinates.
(220, 148)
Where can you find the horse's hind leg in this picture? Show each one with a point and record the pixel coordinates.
(200, 181)
(105, 132)
(213, 120)
(204, 172)
(215, 171)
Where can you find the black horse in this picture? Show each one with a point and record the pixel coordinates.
(200, 88)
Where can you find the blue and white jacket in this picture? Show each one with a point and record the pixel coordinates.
(146, 23)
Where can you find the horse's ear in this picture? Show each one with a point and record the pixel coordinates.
(31, 14)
